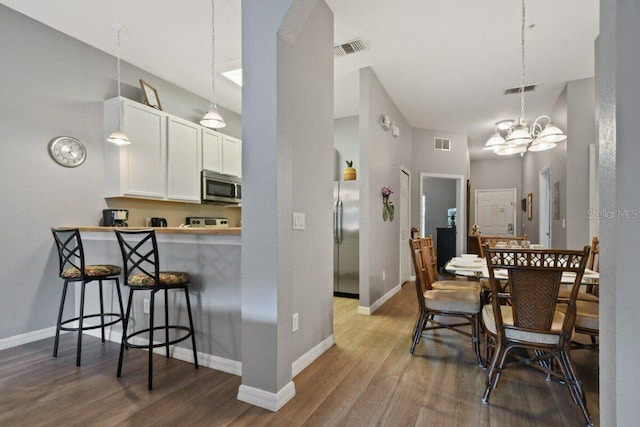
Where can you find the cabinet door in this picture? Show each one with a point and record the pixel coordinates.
(231, 156)
(143, 163)
(183, 176)
(211, 150)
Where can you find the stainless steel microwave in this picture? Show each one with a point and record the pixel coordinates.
(221, 189)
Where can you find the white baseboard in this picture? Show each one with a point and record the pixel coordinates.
(181, 353)
(307, 359)
(17, 340)
(267, 400)
(367, 311)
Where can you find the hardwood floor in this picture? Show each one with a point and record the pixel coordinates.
(367, 378)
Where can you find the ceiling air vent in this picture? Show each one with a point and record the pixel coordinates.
(348, 48)
(442, 144)
(517, 89)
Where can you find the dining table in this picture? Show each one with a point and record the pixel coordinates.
(477, 267)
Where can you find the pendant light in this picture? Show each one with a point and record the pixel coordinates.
(118, 137)
(213, 119)
(522, 138)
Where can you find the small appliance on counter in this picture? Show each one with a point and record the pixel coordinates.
(158, 222)
(115, 217)
(206, 222)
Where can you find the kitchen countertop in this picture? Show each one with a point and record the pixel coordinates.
(231, 231)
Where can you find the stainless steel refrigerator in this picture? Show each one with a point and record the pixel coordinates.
(346, 237)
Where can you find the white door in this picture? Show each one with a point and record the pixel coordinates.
(495, 212)
(405, 228)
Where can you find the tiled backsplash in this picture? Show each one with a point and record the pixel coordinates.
(174, 212)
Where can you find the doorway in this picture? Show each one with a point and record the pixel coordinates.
(405, 224)
(438, 194)
(545, 206)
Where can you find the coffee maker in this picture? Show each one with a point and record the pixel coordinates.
(115, 217)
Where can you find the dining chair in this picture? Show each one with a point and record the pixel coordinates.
(528, 317)
(141, 264)
(459, 302)
(427, 242)
(492, 241)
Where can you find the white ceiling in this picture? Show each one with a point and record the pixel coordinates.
(446, 64)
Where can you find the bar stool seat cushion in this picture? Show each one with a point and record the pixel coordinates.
(99, 270)
(167, 278)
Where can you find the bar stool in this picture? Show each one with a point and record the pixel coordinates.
(73, 269)
(142, 273)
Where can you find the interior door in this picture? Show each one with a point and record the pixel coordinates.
(405, 228)
(495, 211)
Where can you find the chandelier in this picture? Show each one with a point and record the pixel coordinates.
(542, 135)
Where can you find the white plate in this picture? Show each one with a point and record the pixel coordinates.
(466, 263)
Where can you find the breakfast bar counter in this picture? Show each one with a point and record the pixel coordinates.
(212, 259)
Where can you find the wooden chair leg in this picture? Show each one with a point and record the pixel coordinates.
(575, 387)
(418, 331)
(475, 326)
(493, 374)
(57, 340)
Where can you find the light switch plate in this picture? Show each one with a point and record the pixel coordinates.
(294, 322)
(298, 221)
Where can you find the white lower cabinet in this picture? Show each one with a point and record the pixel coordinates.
(183, 173)
(166, 154)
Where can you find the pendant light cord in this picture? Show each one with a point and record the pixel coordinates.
(213, 44)
(119, 76)
(523, 67)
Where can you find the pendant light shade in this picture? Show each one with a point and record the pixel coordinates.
(118, 137)
(519, 135)
(508, 150)
(213, 119)
(495, 142)
(552, 133)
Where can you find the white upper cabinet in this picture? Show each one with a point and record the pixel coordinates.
(166, 154)
(138, 169)
(231, 156)
(184, 147)
(211, 150)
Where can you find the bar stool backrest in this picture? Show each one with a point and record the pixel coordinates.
(70, 251)
(139, 253)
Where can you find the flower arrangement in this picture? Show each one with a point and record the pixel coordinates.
(387, 210)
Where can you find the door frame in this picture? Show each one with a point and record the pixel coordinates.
(514, 201)
(403, 243)
(461, 186)
(544, 211)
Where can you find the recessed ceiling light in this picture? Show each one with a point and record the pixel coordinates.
(234, 75)
(504, 124)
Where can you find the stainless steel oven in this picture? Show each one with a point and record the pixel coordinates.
(221, 189)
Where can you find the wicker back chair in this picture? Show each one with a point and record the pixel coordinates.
(446, 298)
(492, 241)
(532, 318)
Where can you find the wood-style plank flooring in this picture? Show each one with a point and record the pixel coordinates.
(367, 378)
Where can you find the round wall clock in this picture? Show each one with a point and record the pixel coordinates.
(67, 151)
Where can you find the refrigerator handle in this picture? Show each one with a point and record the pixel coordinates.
(335, 222)
(340, 221)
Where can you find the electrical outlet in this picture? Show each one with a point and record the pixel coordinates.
(294, 322)
(384, 275)
(298, 221)
(146, 306)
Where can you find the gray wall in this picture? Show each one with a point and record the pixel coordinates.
(440, 195)
(532, 164)
(287, 166)
(426, 160)
(618, 62)
(581, 132)
(345, 141)
(381, 157)
(55, 85)
(494, 174)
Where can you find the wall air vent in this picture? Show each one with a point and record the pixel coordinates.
(441, 144)
(517, 89)
(348, 48)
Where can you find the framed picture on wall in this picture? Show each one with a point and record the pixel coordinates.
(150, 95)
(530, 206)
